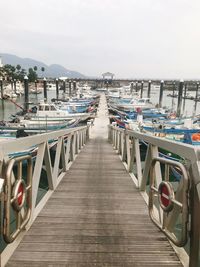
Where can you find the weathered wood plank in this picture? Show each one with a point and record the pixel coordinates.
(151, 248)
(94, 257)
(102, 264)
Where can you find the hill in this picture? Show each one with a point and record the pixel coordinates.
(53, 71)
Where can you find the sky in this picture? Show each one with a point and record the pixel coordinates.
(130, 38)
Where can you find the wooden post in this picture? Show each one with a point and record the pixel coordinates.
(57, 89)
(141, 91)
(180, 96)
(149, 89)
(26, 96)
(45, 89)
(161, 93)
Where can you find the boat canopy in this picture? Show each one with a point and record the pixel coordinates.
(46, 107)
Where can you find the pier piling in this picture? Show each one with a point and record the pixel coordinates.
(36, 85)
(64, 87)
(131, 87)
(14, 83)
(11, 83)
(57, 89)
(136, 86)
(74, 86)
(161, 93)
(184, 97)
(173, 94)
(180, 97)
(149, 89)
(1, 87)
(196, 98)
(26, 95)
(45, 89)
(141, 91)
(70, 88)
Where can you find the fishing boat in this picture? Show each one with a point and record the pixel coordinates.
(134, 104)
(36, 126)
(51, 86)
(51, 112)
(36, 91)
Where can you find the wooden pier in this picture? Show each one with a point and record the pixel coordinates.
(95, 217)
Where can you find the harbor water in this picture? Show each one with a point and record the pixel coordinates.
(8, 108)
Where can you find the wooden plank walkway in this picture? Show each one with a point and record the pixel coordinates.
(96, 217)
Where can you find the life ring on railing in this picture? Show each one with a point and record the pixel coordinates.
(19, 194)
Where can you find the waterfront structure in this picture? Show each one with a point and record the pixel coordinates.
(108, 76)
(96, 215)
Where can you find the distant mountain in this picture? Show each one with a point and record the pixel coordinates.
(53, 71)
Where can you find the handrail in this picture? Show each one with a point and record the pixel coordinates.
(20, 190)
(146, 156)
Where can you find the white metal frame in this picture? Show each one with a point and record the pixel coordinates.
(127, 145)
(68, 145)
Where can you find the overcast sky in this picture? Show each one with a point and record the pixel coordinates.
(131, 38)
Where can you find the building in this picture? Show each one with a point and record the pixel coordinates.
(108, 76)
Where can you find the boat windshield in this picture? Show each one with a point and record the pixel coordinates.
(144, 100)
(47, 107)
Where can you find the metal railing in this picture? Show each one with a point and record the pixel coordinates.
(24, 163)
(168, 175)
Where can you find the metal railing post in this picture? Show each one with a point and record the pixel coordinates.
(195, 225)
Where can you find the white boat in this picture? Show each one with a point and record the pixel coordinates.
(143, 103)
(10, 94)
(51, 86)
(50, 112)
(36, 91)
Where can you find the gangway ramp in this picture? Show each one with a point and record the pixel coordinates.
(95, 217)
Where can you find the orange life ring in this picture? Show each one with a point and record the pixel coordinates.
(196, 137)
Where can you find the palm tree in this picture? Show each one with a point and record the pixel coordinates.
(18, 67)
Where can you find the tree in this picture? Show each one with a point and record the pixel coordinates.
(18, 67)
(21, 74)
(9, 71)
(32, 75)
(18, 71)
